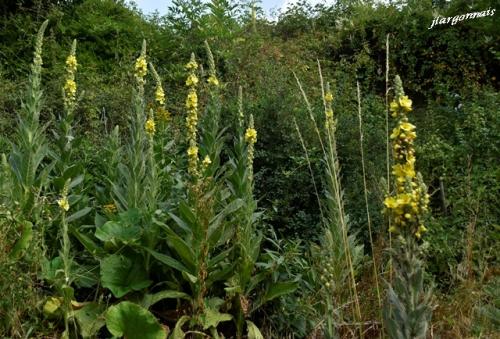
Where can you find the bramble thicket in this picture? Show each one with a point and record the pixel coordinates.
(214, 173)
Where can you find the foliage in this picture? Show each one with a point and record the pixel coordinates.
(103, 224)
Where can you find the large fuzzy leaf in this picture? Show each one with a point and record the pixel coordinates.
(130, 320)
(115, 232)
(90, 319)
(123, 275)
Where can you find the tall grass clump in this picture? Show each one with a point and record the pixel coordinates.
(408, 311)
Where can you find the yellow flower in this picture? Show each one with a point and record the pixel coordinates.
(329, 113)
(141, 67)
(206, 161)
(63, 203)
(160, 95)
(328, 97)
(251, 135)
(404, 170)
(405, 103)
(71, 63)
(192, 151)
(192, 80)
(407, 127)
(394, 106)
(70, 87)
(150, 126)
(110, 208)
(212, 80)
(192, 100)
(390, 202)
(191, 65)
(395, 133)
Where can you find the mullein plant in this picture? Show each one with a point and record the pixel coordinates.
(192, 119)
(247, 239)
(408, 311)
(198, 241)
(338, 254)
(346, 256)
(211, 139)
(64, 287)
(27, 173)
(64, 171)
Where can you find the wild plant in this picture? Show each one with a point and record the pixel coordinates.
(408, 311)
(25, 176)
(338, 254)
(28, 173)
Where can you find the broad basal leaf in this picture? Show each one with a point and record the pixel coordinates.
(122, 275)
(131, 321)
(90, 319)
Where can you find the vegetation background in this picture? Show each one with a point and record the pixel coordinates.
(450, 72)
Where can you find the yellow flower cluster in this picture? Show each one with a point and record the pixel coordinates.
(71, 63)
(192, 116)
(408, 205)
(192, 65)
(212, 80)
(329, 121)
(401, 106)
(192, 80)
(329, 97)
(69, 87)
(110, 208)
(251, 139)
(141, 67)
(63, 203)
(251, 135)
(150, 126)
(160, 95)
(206, 162)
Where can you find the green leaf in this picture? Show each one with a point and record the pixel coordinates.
(87, 242)
(276, 290)
(183, 250)
(253, 331)
(77, 215)
(130, 320)
(167, 260)
(23, 242)
(151, 299)
(122, 275)
(52, 306)
(90, 319)
(211, 318)
(51, 269)
(178, 333)
(115, 232)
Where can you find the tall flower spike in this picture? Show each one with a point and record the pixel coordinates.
(37, 57)
(141, 66)
(212, 76)
(192, 117)
(241, 115)
(251, 139)
(161, 112)
(329, 121)
(408, 205)
(69, 89)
